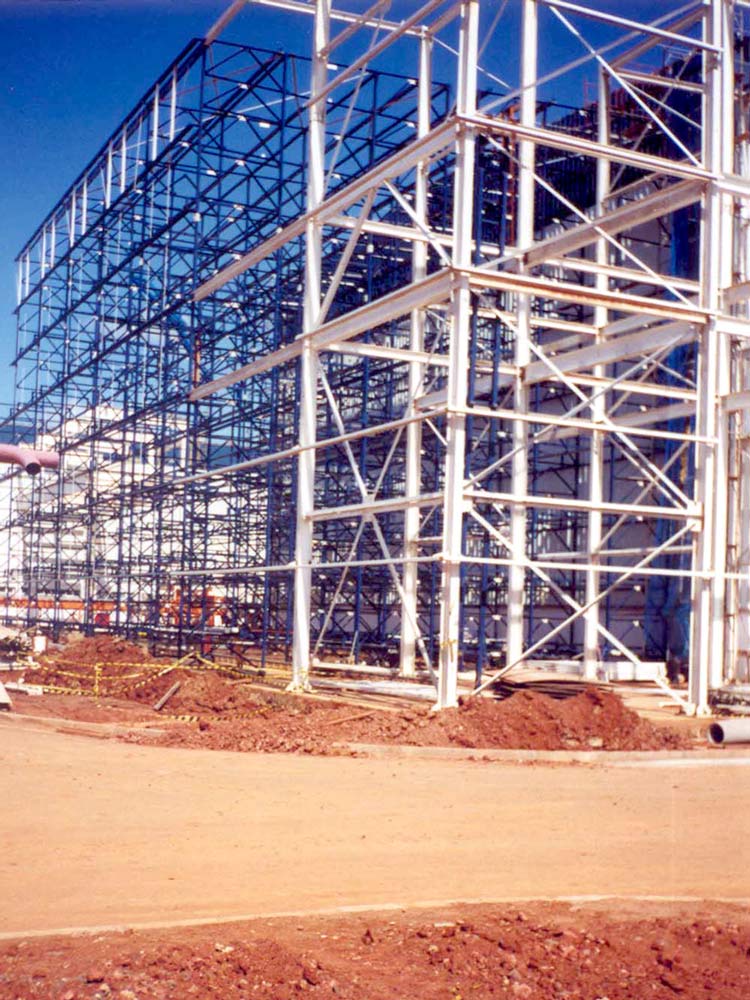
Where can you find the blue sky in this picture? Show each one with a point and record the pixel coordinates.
(73, 68)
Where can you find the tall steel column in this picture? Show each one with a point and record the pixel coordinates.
(455, 459)
(592, 636)
(708, 625)
(525, 238)
(309, 360)
(413, 459)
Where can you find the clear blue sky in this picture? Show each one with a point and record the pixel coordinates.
(72, 69)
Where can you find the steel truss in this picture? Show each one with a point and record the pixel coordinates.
(442, 376)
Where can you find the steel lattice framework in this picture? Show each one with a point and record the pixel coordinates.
(441, 375)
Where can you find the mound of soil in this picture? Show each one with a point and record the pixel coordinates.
(545, 952)
(200, 693)
(532, 721)
(72, 665)
(105, 649)
(232, 715)
(593, 719)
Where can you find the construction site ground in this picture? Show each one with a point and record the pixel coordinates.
(201, 704)
(138, 871)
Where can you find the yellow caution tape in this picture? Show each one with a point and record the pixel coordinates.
(145, 673)
(210, 718)
(54, 689)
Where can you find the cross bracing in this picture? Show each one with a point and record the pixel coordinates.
(375, 368)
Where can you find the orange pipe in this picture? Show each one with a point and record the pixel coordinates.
(29, 459)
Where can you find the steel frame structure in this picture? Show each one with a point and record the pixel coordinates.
(109, 343)
(444, 374)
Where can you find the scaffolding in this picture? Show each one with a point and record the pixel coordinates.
(377, 369)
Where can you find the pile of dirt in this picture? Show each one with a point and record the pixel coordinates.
(227, 714)
(593, 719)
(118, 663)
(205, 692)
(106, 649)
(545, 952)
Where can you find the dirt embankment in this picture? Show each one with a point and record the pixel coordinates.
(226, 713)
(590, 720)
(545, 952)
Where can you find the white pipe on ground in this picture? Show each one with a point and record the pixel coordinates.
(729, 731)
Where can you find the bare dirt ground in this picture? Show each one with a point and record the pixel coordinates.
(279, 874)
(98, 832)
(540, 952)
(116, 681)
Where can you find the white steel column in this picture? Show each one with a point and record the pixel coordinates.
(740, 650)
(108, 179)
(84, 206)
(723, 12)
(308, 361)
(173, 105)
(525, 237)
(707, 650)
(416, 343)
(72, 219)
(740, 666)
(463, 213)
(155, 124)
(598, 407)
(124, 159)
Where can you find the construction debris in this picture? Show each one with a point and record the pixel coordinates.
(166, 696)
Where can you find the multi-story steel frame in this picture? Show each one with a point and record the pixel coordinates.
(442, 373)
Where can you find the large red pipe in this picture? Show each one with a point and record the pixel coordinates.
(29, 459)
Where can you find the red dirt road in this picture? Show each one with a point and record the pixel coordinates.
(95, 832)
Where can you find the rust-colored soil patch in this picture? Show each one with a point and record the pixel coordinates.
(590, 720)
(93, 649)
(112, 680)
(543, 952)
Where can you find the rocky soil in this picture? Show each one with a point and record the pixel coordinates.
(543, 952)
